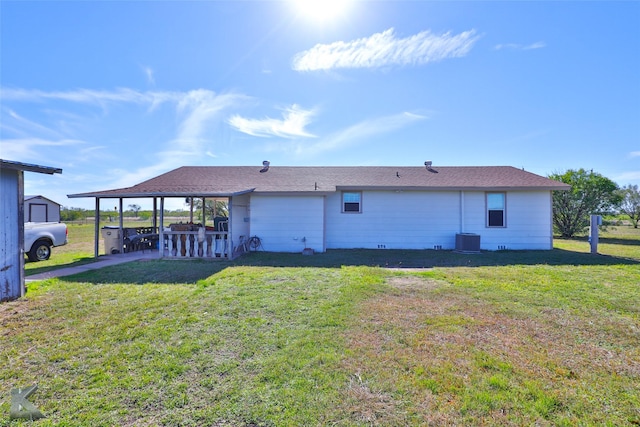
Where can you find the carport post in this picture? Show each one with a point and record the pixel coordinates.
(96, 221)
(161, 230)
(204, 211)
(154, 224)
(121, 243)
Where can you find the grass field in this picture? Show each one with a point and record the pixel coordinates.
(503, 338)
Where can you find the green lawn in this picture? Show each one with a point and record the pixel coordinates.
(504, 338)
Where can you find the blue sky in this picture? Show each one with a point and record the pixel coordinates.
(118, 92)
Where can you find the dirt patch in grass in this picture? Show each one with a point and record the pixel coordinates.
(441, 356)
(373, 405)
(12, 308)
(413, 283)
(21, 308)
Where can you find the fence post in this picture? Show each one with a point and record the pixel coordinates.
(596, 220)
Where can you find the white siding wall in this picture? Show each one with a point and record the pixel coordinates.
(528, 220)
(239, 217)
(399, 220)
(283, 223)
(419, 220)
(395, 220)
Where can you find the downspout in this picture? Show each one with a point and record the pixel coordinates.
(324, 223)
(461, 211)
(230, 230)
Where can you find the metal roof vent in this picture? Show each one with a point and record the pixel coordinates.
(265, 165)
(428, 164)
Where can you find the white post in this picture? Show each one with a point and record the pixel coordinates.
(596, 220)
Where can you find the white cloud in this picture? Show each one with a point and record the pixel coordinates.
(148, 72)
(536, 45)
(629, 177)
(29, 150)
(15, 124)
(385, 49)
(360, 131)
(198, 111)
(293, 123)
(197, 114)
(92, 97)
(516, 46)
(634, 154)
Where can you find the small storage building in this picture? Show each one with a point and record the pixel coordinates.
(40, 209)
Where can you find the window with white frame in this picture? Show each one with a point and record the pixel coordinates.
(496, 210)
(352, 202)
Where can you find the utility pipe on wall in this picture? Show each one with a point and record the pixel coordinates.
(461, 211)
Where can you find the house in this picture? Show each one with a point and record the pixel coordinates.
(41, 209)
(12, 225)
(291, 209)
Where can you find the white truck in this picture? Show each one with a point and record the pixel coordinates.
(40, 237)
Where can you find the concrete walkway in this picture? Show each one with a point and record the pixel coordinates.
(103, 261)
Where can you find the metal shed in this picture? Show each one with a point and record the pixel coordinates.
(12, 225)
(41, 209)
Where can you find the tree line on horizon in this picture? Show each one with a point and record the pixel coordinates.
(212, 208)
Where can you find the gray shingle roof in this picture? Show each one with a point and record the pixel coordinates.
(224, 181)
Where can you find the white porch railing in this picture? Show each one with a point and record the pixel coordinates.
(196, 244)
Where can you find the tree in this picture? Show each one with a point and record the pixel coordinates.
(71, 214)
(135, 209)
(212, 208)
(630, 203)
(591, 193)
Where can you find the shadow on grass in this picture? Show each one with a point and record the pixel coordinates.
(614, 241)
(190, 271)
(607, 240)
(46, 268)
(431, 258)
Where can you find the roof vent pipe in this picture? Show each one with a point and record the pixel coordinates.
(428, 164)
(265, 165)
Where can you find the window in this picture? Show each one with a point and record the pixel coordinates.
(351, 202)
(496, 210)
